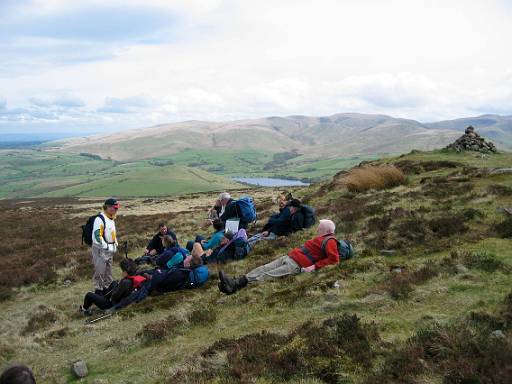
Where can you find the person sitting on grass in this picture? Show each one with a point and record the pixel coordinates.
(289, 219)
(117, 290)
(311, 256)
(172, 255)
(170, 248)
(155, 246)
(231, 247)
(17, 374)
(214, 241)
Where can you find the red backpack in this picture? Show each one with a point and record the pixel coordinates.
(136, 281)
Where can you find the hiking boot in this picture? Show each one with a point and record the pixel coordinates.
(227, 284)
(83, 311)
(241, 282)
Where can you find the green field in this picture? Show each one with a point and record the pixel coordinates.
(38, 173)
(31, 173)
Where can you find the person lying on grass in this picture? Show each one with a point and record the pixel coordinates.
(192, 274)
(231, 247)
(289, 219)
(314, 254)
(117, 291)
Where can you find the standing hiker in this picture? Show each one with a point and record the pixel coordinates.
(104, 245)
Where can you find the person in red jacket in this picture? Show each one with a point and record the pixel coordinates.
(307, 258)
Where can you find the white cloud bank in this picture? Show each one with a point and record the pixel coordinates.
(217, 60)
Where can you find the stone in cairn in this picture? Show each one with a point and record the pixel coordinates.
(472, 141)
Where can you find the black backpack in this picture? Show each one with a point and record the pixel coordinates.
(309, 216)
(87, 229)
(345, 249)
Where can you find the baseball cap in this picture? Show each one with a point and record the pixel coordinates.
(112, 202)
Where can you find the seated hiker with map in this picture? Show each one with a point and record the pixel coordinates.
(315, 254)
(117, 291)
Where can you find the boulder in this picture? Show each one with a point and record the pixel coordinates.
(79, 369)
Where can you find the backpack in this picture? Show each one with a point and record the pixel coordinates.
(242, 249)
(247, 209)
(345, 249)
(198, 276)
(309, 216)
(88, 228)
(137, 281)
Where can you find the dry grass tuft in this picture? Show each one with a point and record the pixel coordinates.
(376, 177)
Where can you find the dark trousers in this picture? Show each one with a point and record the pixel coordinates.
(100, 301)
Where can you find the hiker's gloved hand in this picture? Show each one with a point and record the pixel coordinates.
(308, 269)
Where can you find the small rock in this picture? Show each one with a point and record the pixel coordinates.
(498, 334)
(396, 270)
(461, 268)
(67, 283)
(387, 252)
(336, 284)
(79, 369)
(331, 297)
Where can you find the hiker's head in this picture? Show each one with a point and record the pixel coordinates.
(224, 198)
(162, 228)
(128, 267)
(218, 225)
(294, 205)
(17, 374)
(168, 241)
(217, 204)
(325, 227)
(111, 206)
(283, 198)
(192, 261)
(228, 236)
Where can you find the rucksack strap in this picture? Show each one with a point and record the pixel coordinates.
(308, 254)
(324, 243)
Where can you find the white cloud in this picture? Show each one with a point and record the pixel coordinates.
(235, 59)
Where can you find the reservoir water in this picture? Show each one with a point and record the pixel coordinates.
(270, 182)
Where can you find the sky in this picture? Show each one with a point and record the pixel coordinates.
(76, 67)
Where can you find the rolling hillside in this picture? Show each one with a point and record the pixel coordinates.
(427, 300)
(33, 173)
(340, 135)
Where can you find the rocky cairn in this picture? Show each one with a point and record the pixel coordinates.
(472, 141)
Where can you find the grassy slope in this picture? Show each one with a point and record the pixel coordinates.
(116, 351)
(33, 173)
(30, 173)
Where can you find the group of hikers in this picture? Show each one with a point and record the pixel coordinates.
(168, 266)
(172, 267)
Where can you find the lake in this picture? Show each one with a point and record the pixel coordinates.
(270, 182)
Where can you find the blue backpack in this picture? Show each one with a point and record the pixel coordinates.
(247, 209)
(198, 276)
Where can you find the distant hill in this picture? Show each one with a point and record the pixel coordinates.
(493, 127)
(339, 135)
